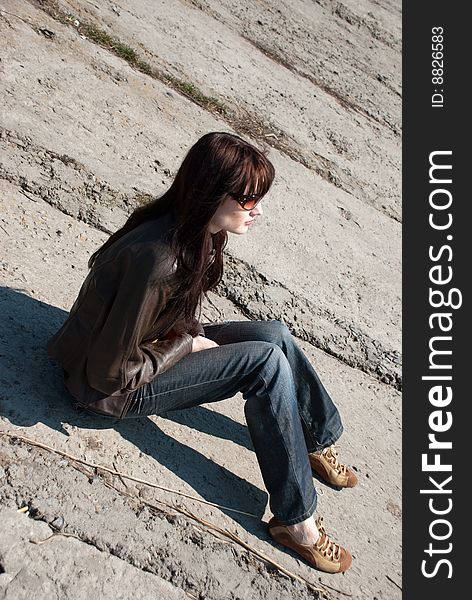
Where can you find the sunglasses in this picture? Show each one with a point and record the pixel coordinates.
(249, 201)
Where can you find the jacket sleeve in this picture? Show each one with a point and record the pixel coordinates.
(118, 358)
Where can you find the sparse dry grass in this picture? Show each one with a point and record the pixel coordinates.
(130, 55)
(240, 120)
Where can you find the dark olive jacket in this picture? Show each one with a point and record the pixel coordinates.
(118, 336)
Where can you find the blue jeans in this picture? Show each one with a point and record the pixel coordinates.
(288, 411)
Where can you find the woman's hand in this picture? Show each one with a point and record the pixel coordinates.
(200, 342)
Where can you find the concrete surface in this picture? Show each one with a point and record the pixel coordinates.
(84, 137)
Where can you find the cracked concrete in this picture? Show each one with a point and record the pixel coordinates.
(84, 138)
(205, 452)
(66, 568)
(63, 182)
(296, 100)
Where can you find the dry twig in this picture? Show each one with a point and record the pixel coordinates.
(124, 475)
(209, 527)
(121, 478)
(253, 551)
(53, 535)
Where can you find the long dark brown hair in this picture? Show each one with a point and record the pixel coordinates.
(217, 165)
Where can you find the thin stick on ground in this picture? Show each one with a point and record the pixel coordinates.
(122, 475)
(217, 532)
(53, 535)
(253, 551)
(210, 527)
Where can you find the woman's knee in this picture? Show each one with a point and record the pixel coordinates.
(278, 332)
(270, 357)
(270, 370)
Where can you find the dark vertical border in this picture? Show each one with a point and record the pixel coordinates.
(427, 129)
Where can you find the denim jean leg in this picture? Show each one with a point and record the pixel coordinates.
(320, 417)
(321, 421)
(261, 371)
(271, 412)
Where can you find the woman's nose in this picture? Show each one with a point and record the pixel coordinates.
(257, 210)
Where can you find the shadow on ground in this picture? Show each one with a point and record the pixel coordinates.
(33, 392)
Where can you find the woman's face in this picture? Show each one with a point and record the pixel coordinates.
(232, 217)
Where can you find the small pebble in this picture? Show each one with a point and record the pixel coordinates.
(57, 523)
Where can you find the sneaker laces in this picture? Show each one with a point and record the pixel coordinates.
(326, 545)
(331, 455)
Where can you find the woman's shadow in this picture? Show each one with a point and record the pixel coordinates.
(33, 391)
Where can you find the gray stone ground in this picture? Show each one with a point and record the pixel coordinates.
(65, 567)
(84, 136)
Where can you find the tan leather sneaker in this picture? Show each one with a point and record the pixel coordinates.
(325, 555)
(325, 463)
